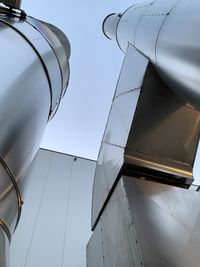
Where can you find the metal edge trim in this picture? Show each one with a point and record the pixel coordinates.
(103, 25)
(61, 73)
(96, 221)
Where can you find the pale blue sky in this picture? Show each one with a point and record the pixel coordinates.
(95, 64)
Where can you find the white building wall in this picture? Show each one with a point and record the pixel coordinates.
(55, 225)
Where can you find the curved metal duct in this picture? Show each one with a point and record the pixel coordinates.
(154, 123)
(34, 73)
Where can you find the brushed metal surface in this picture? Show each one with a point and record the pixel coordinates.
(127, 25)
(167, 34)
(94, 250)
(114, 240)
(32, 85)
(149, 27)
(110, 162)
(147, 224)
(178, 58)
(54, 53)
(60, 45)
(151, 133)
(164, 127)
(111, 155)
(131, 74)
(166, 220)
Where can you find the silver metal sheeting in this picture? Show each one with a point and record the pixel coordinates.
(151, 133)
(147, 224)
(114, 241)
(165, 33)
(56, 212)
(32, 85)
(115, 137)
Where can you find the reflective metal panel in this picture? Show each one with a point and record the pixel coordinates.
(148, 224)
(178, 52)
(150, 25)
(94, 249)
(111, 154)
(164, 128)
(114, 241)
(171, 217)
(151, 134)
(47, 57)
(27, 93)
(147, 32)
(60, 45)
(120, 245)
(108, 167)
(153, 26)
(120, 118)
(132, 71)
(161, 7)
(24, 108)
(128, 24)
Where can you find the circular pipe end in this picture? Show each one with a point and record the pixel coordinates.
(109, 25)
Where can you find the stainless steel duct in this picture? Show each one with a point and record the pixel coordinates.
(34, 75)
(154, 123)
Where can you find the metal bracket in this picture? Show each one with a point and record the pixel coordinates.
(12, 3)
(12, 8)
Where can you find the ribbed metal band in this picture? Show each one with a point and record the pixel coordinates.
(6, 229)
(18, 193)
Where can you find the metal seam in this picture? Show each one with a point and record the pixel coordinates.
(46, 39)
(5, 229)
(116, 31)
(60, 68)
(15, 185)
(129, 91)
(161, 27)
(42, 62)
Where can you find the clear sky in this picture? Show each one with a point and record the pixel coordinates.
(95, 64)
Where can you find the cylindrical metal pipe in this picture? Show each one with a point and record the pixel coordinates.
(109, 25)
(34, 75)
(164, 32)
